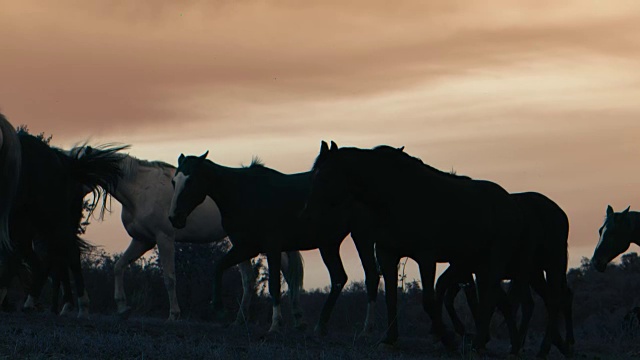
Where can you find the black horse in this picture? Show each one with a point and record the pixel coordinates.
(260, 210)
(617, 233)
(420, 206)
(48, 204)
(548, 226)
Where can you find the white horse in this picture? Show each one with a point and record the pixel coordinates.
(145, 192)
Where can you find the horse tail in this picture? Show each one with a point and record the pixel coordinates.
(99, 172)
(295, 273)
(83, 245)
(10, 165)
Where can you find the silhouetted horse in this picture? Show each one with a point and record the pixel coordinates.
(260, 210)
(616, 235)
(547, 225)
(144, 190)
(420, 207)
(48, 204)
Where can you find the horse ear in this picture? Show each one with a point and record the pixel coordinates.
(401, 148)
(626, 211)
(204, 156)
(609, 210)
(180, 159)
(334, 146)
(324, 147)
(88, 150)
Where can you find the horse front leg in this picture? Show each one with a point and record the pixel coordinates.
(389, 265)
(427, 265)
(166, 250)
(133, 252)
(76, 269)
(237, 254)
(274, 261)
(331, 259)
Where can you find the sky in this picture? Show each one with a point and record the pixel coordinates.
(534, 95)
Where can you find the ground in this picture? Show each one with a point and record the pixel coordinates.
(43, 336)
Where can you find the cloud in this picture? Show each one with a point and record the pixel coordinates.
(120, 67)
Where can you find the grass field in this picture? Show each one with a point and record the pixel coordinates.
(603, 327)
(44, 336)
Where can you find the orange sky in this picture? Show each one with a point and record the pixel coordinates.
(538, 95)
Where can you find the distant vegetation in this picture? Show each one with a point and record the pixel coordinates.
(603, 307)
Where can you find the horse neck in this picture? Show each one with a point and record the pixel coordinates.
(220, 181)
(367, 173)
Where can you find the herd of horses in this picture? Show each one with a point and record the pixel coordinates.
(391, 203)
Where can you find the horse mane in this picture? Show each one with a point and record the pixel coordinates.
(391, 151)
(130, 165)
(255, 162)
(398, 152)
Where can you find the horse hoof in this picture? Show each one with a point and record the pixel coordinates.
(83, 315)
(570, 353)
(124, 314)
(386, 347)
(67, 309)
(174, 316)
(239, 322)
(449, 341)
(302, 326)
(320, 330)
(367, 332)
(29, 309)
(220, 314)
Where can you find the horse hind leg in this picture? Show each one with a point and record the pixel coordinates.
(67, 294)
(38, 275)
(553, 302)
(248, 287)
(447, 288)
(135, 250)
(293, 272)
(371, 278)
(331, 257)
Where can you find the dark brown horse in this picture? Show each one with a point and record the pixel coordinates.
(430, 216)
